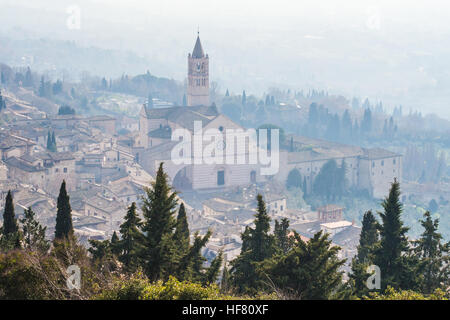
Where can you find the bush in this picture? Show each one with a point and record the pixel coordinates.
(138, 287)
(392, 294)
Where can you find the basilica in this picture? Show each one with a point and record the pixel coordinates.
(369, 169)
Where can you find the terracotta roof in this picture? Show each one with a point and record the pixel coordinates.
(22, 165)
(10, 141)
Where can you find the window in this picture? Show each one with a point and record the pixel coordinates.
(382, 162)
(253, 176)
(56, 170)
(393, 161)
(220, 178)
(373, 164)
(281, 208)
(65, 170)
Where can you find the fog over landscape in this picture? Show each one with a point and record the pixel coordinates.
(396, 52)
(224, 150)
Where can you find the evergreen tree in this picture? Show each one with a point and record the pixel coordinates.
(159, 224)
(227, 94)
(257, 245)
(129, 246)
(225, 285)
(100, 250)
(366, 124)
(10, 234)
(433, 255)
(181, 235)
(309, 271)
(33, 232)
(391, 255)
(49, 141)
(282, 240)
(368, 240)
(191, 265)
(212, 272)
(54, 142)
(10, 225)
(42, 87)
(244, 98)
(115, 242)
(64, 228)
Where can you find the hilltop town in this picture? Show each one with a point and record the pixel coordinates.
(107, 162)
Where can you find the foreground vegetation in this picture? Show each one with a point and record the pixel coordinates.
(154, 257)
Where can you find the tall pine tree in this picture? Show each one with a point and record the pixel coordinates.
(433, 254)
(33, 232)
(257, 245)
(368, 240)
(159, 223)
(130, 245)
(391, 255)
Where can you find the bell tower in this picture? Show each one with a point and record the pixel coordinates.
(198, 76)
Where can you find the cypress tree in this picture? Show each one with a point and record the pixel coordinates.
(390, 256)
(64, 228)
(53, 147)
(49, 141)
(10, 234)
(130, 244)
(368, 238)
(9, 220)
(159, 223)
(181, 235)
(367, 243)
(115, 244)
(433, 256)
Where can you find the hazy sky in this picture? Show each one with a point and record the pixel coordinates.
(397, 51)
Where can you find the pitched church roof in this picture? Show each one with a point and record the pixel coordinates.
(198, 50)
(184, 116)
